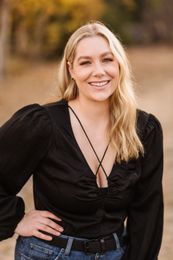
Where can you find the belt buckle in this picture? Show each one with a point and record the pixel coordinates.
(100, 246)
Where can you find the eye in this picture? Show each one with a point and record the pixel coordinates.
(85, 62)
(108, 59)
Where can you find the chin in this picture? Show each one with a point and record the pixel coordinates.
(100, 99)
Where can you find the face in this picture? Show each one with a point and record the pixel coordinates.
(94, 69)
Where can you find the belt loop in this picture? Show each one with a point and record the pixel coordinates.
(117, 240)
(68, 246)
(102, 242)
(97, 256)
(124, 232)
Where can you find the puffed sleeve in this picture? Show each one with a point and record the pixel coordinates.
(24, 141)
(145, 217)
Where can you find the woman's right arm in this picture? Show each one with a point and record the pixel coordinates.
(24, 141)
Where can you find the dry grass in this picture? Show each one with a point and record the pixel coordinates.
(152, 67)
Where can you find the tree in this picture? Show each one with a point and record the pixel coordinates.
(40, 28)
(120, 16)
(4, 35)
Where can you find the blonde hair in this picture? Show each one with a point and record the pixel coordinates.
(123, 105)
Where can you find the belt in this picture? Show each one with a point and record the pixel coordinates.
(91, 246)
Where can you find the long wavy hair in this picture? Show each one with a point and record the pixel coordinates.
(123, 107)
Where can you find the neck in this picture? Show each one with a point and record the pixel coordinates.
(95, 111)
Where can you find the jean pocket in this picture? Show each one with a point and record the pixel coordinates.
(40, 252)
(33, 249)
(20, 256)
(36, 256)
(60, 255)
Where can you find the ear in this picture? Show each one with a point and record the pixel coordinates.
(70, 69)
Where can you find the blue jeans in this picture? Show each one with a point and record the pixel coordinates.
(31, 248)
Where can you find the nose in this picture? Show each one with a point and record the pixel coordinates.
(98, 69)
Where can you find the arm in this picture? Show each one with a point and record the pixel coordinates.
(24, 141)
(145, 217)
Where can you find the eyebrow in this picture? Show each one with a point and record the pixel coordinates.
(89, 57)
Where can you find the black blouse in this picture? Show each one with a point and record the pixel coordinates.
(39, 141)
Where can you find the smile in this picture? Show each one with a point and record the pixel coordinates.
(99, 83)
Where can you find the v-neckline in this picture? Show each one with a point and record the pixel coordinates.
(79, 149)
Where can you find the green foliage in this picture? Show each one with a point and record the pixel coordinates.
(47, 24)
(40, 28)
(120, 16)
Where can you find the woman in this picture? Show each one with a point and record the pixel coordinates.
(96, 162)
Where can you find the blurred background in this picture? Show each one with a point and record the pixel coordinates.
(32, 38)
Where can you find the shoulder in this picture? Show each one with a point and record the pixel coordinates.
(32, 113)
(56, 107)
(147, 124)
(58, 112)
(29, 120)
(37, 111)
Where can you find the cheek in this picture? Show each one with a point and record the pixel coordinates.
(114, 74)
(82, 75)
(114, 71)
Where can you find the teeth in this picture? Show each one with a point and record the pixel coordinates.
(99, 84)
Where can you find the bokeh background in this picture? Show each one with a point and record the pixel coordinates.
(32, 37)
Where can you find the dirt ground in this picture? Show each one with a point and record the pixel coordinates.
(152, 67)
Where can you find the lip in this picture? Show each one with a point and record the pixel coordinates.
(99, 84)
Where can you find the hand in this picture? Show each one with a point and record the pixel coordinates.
(37, 220)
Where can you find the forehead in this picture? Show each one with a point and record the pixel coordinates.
(91, 46)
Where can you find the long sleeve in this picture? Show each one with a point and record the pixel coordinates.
(24, 141)
(145, 217)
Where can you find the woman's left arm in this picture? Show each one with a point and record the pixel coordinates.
(145, 218)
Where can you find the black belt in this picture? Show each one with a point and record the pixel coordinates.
(91, 246)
